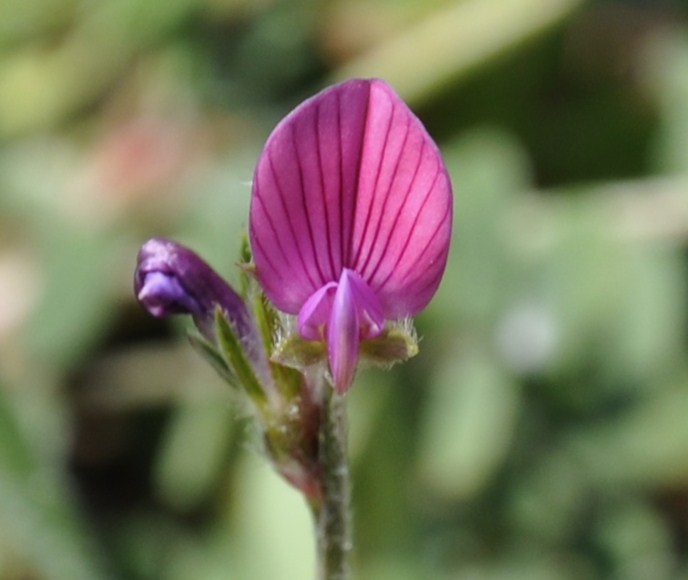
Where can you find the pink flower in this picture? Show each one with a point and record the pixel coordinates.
(350, 217)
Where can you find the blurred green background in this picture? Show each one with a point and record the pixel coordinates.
(542, 433)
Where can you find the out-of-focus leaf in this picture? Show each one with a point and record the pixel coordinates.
(274, 534)
(455, 40)
(215, 222)
(194, 451)
(39, 524)
(664, 67)
(44, 534)
(616, 303)
(286, 32)
(22, 19)
(649, 328)
(393, 568)
(76, 293)
(546, 502)
(647, 446)
(40, 84)
(488, 169)
(583, 277)
(366, 409)
(636, 540)
(15, 453)
(147, 543)
(528, 563)
(467, 426)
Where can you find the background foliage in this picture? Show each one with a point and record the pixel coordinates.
(542, 433)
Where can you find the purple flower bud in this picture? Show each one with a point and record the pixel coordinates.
(162, 295)
(171, 279)
(350, 217)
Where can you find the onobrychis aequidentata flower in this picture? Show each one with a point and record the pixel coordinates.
(351, 217)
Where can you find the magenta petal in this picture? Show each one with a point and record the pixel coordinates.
(304, 193)
(315, 313)
(351, 179)
(403, 217)
(356, 314)
(371, 318)
(343, 337)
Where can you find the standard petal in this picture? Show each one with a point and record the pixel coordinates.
(403, 217)
(304, 194)
(351, 179)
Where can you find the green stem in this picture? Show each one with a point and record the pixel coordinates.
(333, 517)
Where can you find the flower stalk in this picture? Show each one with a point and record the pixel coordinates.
(333, 515)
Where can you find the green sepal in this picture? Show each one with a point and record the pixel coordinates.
(235, 357)
(397, 343)
(213, 357)
(298, 353)
(246, 268)
(293, 355)
(245, 249)
(267, 319)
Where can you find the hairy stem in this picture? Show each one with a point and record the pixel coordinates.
(332, 517)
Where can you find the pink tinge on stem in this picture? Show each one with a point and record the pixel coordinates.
(350, 188)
